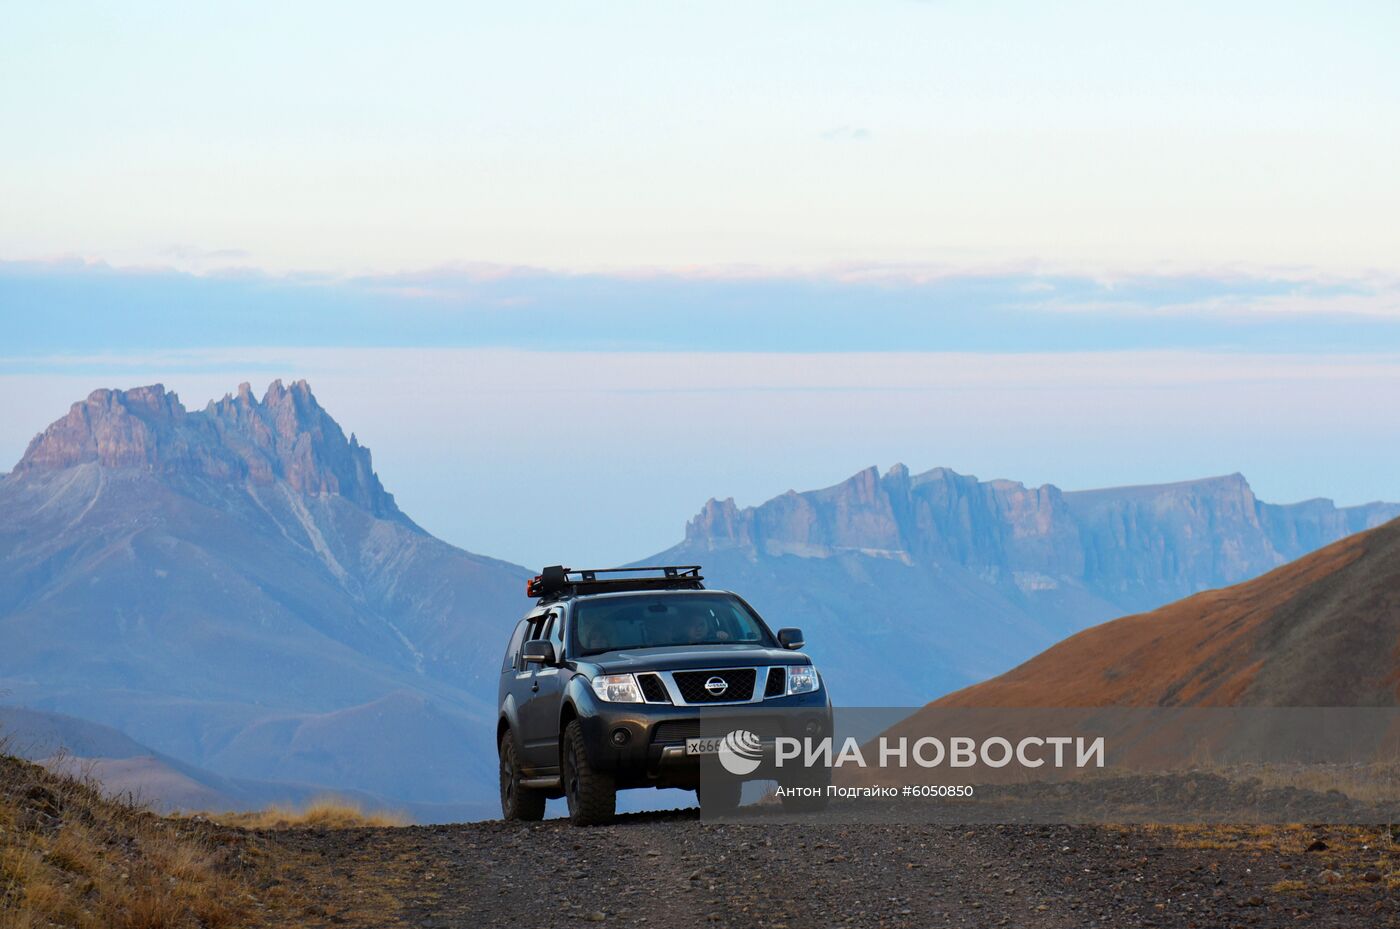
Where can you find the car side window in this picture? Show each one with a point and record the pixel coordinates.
(556, 634)
(535, 629)
(517, 639)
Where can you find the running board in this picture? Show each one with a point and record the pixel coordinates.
(535, 783)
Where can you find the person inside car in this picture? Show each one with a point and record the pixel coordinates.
(698, 630)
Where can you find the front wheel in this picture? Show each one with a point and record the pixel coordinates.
(591, 795)
(517, 803)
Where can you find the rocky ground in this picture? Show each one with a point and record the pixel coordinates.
(671, 869)
(71, 858)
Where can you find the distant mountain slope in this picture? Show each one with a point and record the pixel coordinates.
(1322, 631)
(909, 585)
(218, 584)
(127, 768)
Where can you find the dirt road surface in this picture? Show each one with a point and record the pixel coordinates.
(672, 870)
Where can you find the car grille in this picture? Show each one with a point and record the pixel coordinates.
(692, 685)
(652, 689)
(674, 731)
(777, 682)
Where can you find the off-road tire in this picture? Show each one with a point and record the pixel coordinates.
(518, 804)
(591, 795)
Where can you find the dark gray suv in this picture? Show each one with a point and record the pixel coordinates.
(619, 678)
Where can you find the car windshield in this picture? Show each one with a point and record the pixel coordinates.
(659, 620)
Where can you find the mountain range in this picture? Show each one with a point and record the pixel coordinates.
(909, 585)
(233, 590)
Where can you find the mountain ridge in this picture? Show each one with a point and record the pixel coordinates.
(234, 587)
(945, 579)
(865, 514)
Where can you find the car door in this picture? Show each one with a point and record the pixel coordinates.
(522, 685)
(541, 710)
(509, 689)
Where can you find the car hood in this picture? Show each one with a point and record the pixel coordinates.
(693, 656)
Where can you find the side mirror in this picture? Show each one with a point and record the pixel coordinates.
(791, 638)
(541, 650)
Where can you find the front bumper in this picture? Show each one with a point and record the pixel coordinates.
(653, 749)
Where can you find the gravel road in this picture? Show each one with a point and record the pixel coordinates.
(672, 870)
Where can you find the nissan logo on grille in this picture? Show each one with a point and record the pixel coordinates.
(715, 685)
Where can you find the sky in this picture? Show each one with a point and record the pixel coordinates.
(356, 137)
(653, 253)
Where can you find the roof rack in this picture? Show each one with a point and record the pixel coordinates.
(557, 581)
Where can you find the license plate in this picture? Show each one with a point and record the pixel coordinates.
(703, 746)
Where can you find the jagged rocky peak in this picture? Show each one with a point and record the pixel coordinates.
(719, 524)
(286, 436)
(116, 428)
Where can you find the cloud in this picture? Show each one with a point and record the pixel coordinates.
(85, 309)
(1205, 299)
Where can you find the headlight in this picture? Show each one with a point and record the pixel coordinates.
(617, 688)
(802, 679)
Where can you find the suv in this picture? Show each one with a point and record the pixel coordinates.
(616, 676)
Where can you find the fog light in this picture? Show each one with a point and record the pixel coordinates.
(621, 737)
(813, 727)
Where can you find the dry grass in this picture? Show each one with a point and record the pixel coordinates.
(322, 813)
(1377, 782)
(1352, 852)
(70, 857)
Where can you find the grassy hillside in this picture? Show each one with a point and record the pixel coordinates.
(70, 857)
(1321, 631)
